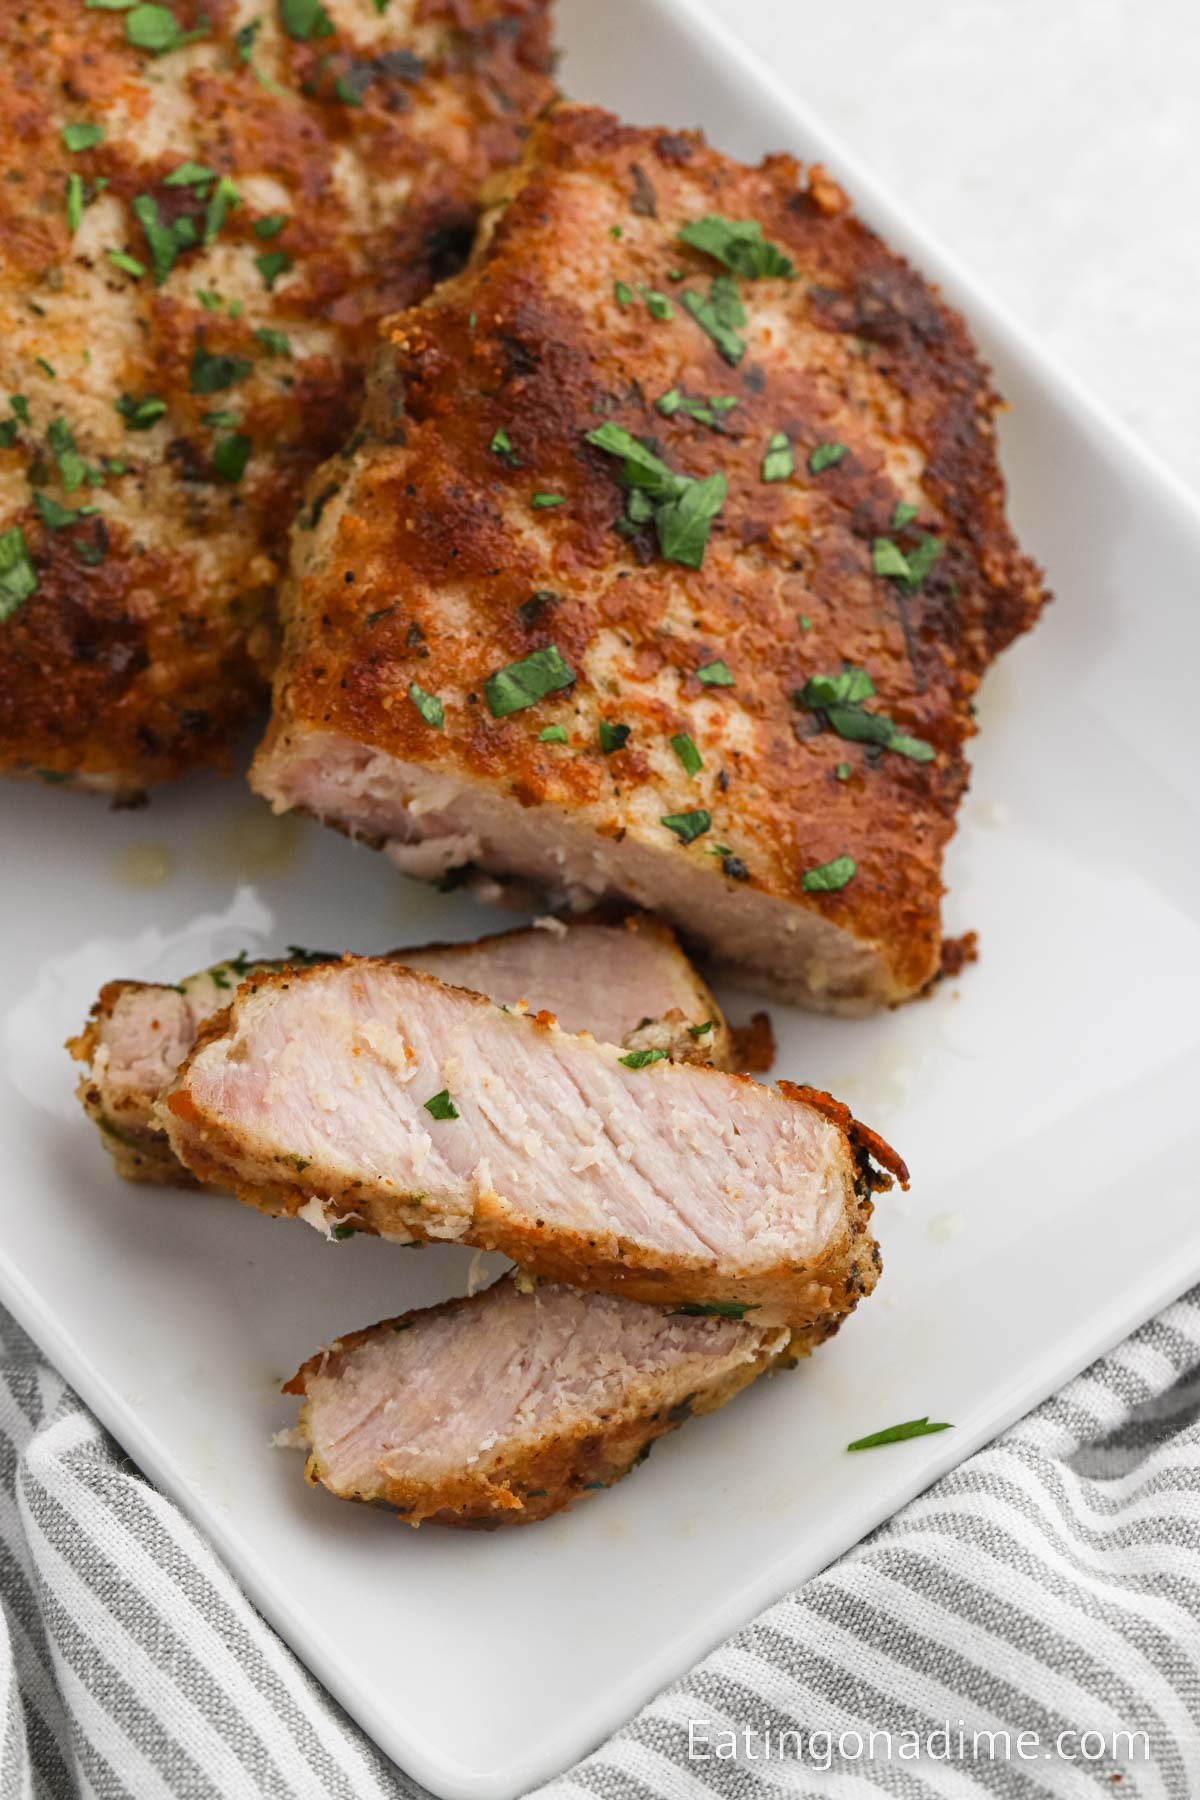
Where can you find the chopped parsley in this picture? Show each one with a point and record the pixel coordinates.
(20, 406)
(612, 737)
(903, 515)
(82, 137)
(622, 294)
(271, 226)
(47, 369)
(843, 771)
(441, 1106)
(223, 196)
(686, 751)
(190, 174)
(18, 577)
(681, 507)
(830, 877)
(719, 315)
(896, 1434)
(304, 19)
(657, 305)
(716, 1309)
(230, 456)
(244, 38)
(909, 569)
(164, 241)
(709, 411)
(739, 244)
(140, 415)
(689, 825)
(278, 343)
(641, 1059)
(342, 1232)
(212, 374)
(524, 683)
(56, 517)
(74, 202)
(715, 674)
(540, 502)
(825, 456)
(155, 29)
(428, 705)
(699, 1031)
(71, 467)
(778, 464)
(840, 699)
(501, 444)
(272, 265)
(553, 734)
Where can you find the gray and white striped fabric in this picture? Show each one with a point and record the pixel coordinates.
(1050, 1585)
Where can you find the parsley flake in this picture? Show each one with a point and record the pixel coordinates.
(897, 1434)
(223, 196)
(622, 294)
(189, 174)
(542, 502)
(553, 734)
(441, 1106)
(524, 683)
(612, 737)
(778, 464)
(840, 699)
(685, 749)
(271, 226)
(272, 265)
(212, 374)
(825, 456)
(71, 467)
(74, 202)
(278, 343)
(903, 515)
(830, 877)
(155, 29)
(739, 244)
(140, 415)
(82, 137)
(719, 315)
(715, 674)
(18, 577)
(689, 825)
(428, 705)
(230, 456)
(642, 1059)
(304, 19)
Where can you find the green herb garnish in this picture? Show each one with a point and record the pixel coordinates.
(18, 577)
(223, 196)
(140, 415)
(909, 570)
(553, 734)
(739, 244)
(708, 411)
(277, 342)
(657, 305)
(271, 226)
(82, 137)
(681, 507)
(540, 502)
(830, 877)
(824, 456)
(272, 265)
(778, 463)
(622, 294)
(719, 315)
(155, 29)
(428, 705)
(612, 737)
(840, 698)
(524, 683)
(212, 374)
(689, 825)
(441, 1106)
(641, 1059)
(897, 1434)
(230, 456)
(686, 751)
(501, 444)
(714, 674)
(74, 202)
(304, 19)
(71, 467)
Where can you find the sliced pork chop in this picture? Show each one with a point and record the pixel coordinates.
(627, 982)
(668, 570)
(370, 1095)
(504, 1408)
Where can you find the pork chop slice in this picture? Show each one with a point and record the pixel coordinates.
(668, 569)
(371, 1096)
(504, 1408)
(627, 982)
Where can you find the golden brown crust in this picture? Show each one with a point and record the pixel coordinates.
(145, 644)
(818, 1293)
(424, 565)
(132, 1135)
(520, 1485)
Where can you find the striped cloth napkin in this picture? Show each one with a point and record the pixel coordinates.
(1049, 1585)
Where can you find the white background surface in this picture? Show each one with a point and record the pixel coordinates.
(1054, 145)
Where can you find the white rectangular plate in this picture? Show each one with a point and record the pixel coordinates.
(1046, 1103)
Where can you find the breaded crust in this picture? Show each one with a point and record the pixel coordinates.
(521, 1484)
(234, 330)
(277, 1180)
(478, 525)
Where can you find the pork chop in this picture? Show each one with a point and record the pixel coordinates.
(627, 982)
(367, 1096)
(668, 570)
(506, 1407)
(205, 209)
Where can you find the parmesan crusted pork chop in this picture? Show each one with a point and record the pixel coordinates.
(367, 1095)
(504, 1408)
(669, 569)
(206, 205)
(628, 983)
